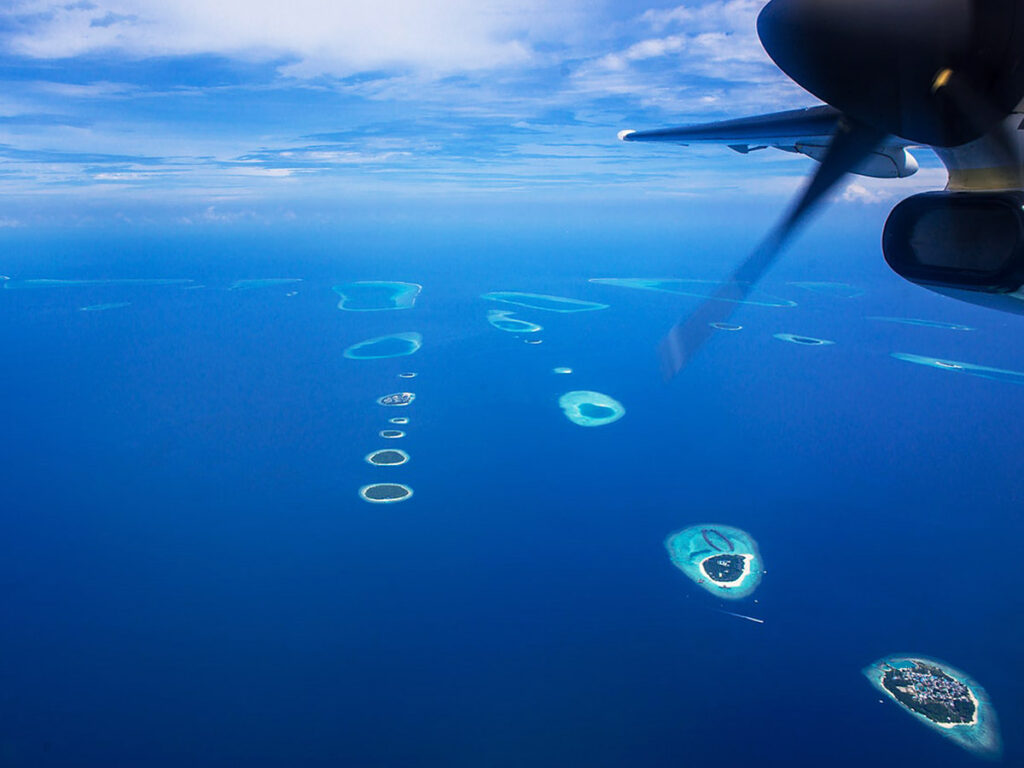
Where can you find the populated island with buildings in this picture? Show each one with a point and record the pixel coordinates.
(930, 692)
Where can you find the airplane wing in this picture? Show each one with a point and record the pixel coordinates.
(806, 131)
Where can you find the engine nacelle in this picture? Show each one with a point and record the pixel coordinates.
(967, 245)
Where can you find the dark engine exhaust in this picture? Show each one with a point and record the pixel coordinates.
(968, 245)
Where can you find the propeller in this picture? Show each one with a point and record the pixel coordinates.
(936, 72)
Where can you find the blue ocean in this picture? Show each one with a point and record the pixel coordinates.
(190, 576)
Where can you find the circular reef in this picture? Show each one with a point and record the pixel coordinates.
(590, 409)
(387, 457)
(399, 420)
(392, 434)
(395, 345)
(721, 559)
(397, 398)
(807, 341)
(407, 375)
(385, 493)
(503, 321)
(942, 698)
(374, 296)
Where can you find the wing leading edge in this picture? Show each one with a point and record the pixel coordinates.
(805, 131)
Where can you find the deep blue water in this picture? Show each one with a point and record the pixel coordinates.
(189, 576)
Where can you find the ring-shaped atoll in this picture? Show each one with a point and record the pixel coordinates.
(397, 398)
(399, 420)
(394, 345)
(375, 296)
(807, 341)
(407, 375)
(387, 457)
(590, 409)
(533, 341)
(503, 321)
(942, 698)
(721, 559)
(385, 493)
(391, 434)
(981, 371)
(732, 292)
(726, 326)
(543, 301)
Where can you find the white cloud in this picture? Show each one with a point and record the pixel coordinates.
(319, 36)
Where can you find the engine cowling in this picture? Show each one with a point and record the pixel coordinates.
(968, 245)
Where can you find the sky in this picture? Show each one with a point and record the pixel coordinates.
(194, 112)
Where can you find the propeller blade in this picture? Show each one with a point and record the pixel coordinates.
(877, 60)
(850, 145)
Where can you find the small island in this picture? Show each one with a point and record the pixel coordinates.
(376, 296)
(407, 375)
(721, 559)
(385, 493)
(971, 369)
(391, 434)
(941, 697)
(381, 347)
(387, 458)
(590, 409)
(397, 398)
(399, 420)
(807, 341)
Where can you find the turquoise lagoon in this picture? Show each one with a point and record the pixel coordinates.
(701, 289)
(721, 559)
(543, 301)
(108, 305)
(263, 282)
(980, 737)
(590, 409)
(393, 345)
(837, 290)
(375, 296)
(981, 371)
(922, 323)
(503, 321)
(14, 285)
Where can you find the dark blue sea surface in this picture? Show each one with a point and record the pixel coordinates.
(189, 576)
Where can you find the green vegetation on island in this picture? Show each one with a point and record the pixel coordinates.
(387, 458)
(385, 493)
